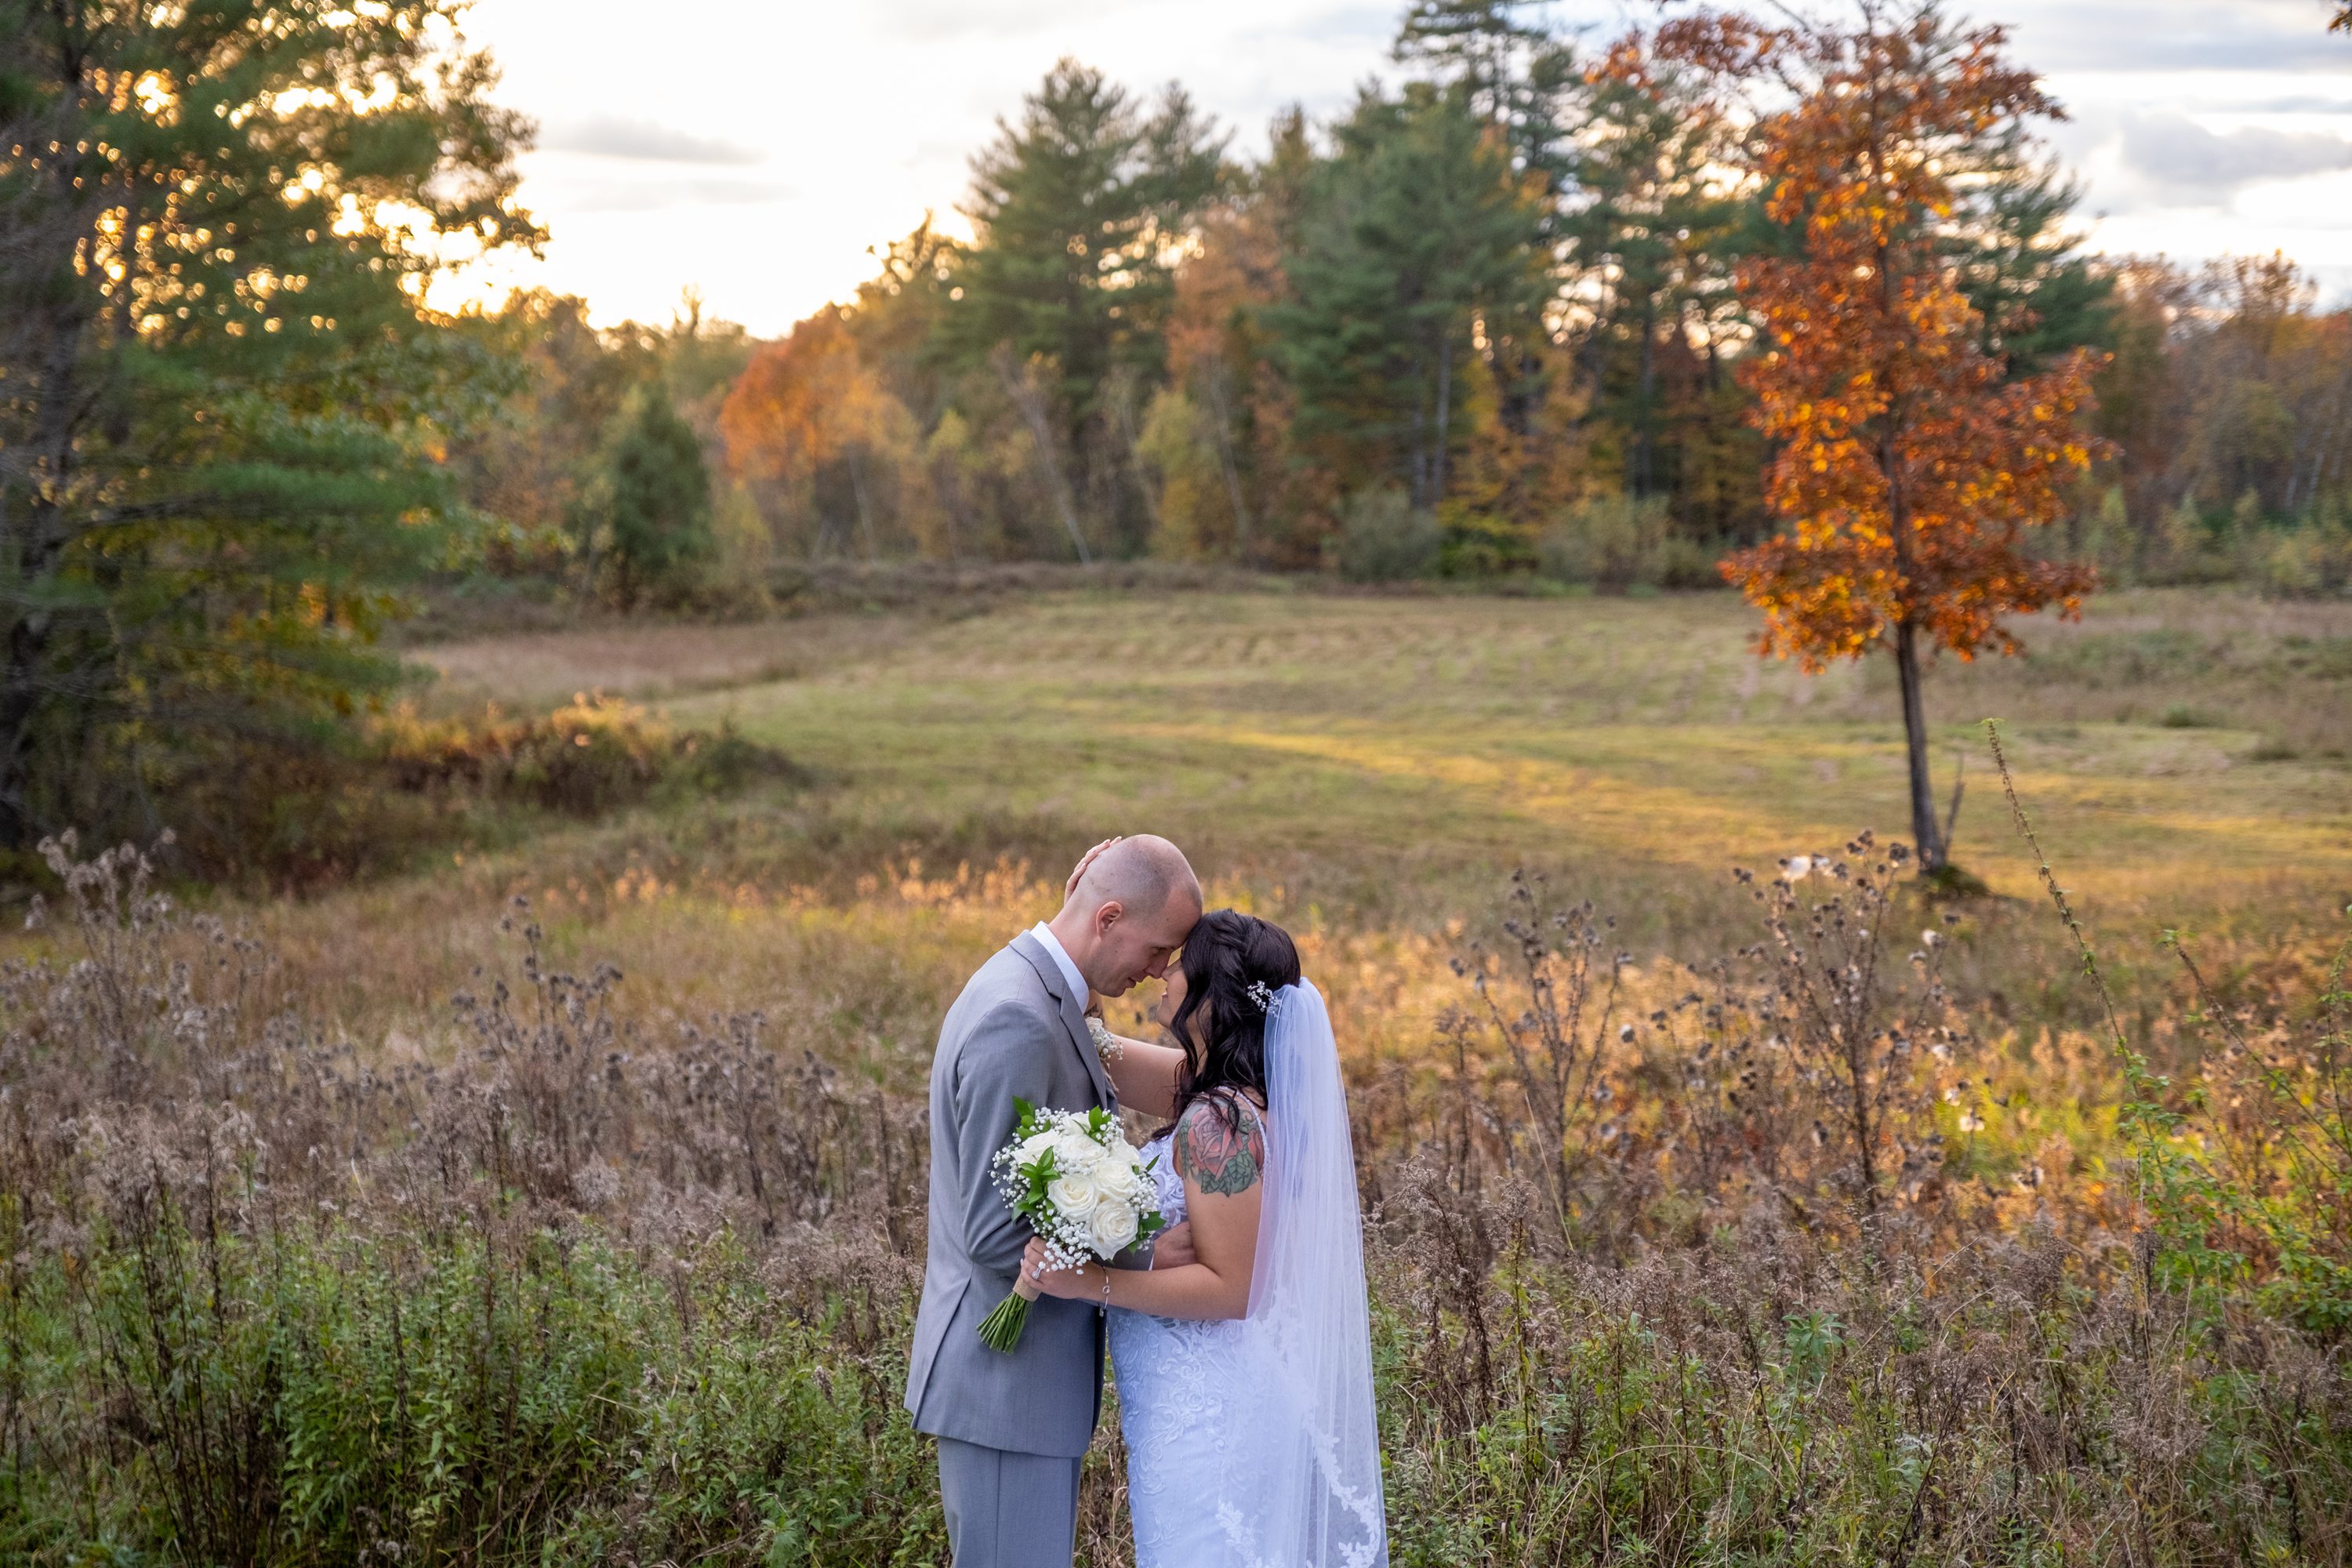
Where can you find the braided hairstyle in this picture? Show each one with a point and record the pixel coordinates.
(1221, 1023)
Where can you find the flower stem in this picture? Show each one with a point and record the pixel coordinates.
(1001, 1330)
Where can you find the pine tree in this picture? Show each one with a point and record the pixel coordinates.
(1078, 213)
(1419, 249)
(220, 403)
(649, 505)
(2022, 266)
(1516, 74)
(1654, 232)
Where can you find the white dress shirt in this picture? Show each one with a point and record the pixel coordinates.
(1052, 944)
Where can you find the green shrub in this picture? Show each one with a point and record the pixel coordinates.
(2312, 559)
(647, 509)
(594, 754)
(1618, 543)
(1384, 538)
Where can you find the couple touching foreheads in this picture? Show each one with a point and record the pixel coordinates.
(1240, 1336)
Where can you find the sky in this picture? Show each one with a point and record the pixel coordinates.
(755, 150)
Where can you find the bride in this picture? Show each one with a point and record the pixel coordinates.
(1245, 1375)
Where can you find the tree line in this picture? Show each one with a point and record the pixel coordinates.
(1486, 319)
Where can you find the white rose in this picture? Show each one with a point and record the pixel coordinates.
(1075, 1151)
(1032, 1148)
(1118, 1182)
(1111, 1228)
(1075, 1194)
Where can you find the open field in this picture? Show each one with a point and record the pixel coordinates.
(1379, 764)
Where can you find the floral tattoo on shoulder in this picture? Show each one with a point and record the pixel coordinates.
(1216, 1155)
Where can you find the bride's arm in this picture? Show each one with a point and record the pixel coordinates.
(1222, 1167)
(1144, 1074)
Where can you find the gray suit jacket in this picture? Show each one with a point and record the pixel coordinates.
(1015, 1032)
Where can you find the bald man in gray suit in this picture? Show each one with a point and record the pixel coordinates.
(1013, 1427)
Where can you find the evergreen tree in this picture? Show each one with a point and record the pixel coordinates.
(1420, 249)
(1518, 76)
(220, 404)
(1079, 212)
(2022, 269)
(1652, 235)
(1526, 83)
(650, 503)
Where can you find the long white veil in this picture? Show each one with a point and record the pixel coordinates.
(1309, 1315)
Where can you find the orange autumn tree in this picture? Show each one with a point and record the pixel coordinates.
(810, 408)
(1906, 470)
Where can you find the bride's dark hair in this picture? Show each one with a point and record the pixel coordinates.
(1221, 1023)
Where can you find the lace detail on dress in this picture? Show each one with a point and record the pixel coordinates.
(1182, 1384)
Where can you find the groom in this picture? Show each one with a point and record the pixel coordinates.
(1011, 1428)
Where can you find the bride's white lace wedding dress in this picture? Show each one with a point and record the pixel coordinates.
(1183, 1405)
(1251, 1442)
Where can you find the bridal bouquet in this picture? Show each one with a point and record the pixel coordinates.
(1084, 1189)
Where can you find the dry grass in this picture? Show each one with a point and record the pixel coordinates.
(561, 1284)
(1373, 767)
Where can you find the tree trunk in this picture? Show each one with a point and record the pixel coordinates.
(1444, 419)
(1123, 407)
(865, 512)
(1645, 385)
(1926, 832)
(1221, 405)
(1022, 391)
(36, 543)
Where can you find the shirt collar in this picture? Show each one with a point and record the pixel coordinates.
(1052, 944)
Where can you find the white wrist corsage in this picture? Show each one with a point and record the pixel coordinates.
(1107, 1044)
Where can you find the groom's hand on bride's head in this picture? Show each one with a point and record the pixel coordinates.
(1173, 1247)
(1085, 860)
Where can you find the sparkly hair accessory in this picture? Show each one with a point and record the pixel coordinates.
(1261, 995)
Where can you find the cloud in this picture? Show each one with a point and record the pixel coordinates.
(2172, 153)
(583, 191)
(2088, 37)
(642, 139)
(2295, 103)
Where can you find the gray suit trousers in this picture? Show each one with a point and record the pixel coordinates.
(1006, 1510)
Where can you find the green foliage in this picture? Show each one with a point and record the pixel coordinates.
(1653, 216)
(220, 433)
(1076, 210)
(647, 510)
(1060, 308)
(338, 1393)
(2022, 266)
(2246, 1170)
(591, 755)
(1384, 538)
(2250, 1165)
(2310, 559)
(1417, 229)
(1618, 542)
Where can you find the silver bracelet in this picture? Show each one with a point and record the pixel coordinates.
(1107, 1045)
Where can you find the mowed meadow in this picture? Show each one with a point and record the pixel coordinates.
(1371, 768)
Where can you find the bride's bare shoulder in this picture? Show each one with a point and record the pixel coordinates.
(1220, 1142)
